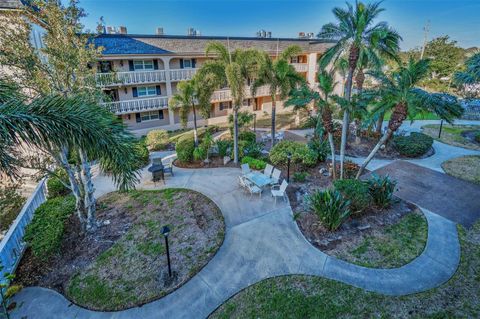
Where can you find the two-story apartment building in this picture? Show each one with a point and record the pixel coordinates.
(141, 73)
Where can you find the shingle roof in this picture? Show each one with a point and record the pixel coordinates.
(120, 44)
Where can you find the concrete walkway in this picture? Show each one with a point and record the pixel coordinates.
(261, 241)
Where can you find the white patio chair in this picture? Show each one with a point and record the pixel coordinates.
(253, 189)
(243, 183)
(280, 191)
(245, 169)
(280, 136)
(276, 177)
(268, 170)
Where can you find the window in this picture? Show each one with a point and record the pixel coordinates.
(152, 115)
(187, 63)
(225, 106)
(143, 65)
(294, 59)
(146, 91)
(247, 102)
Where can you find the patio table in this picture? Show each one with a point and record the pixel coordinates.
(258, 179)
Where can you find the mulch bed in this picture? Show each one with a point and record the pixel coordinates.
(470, 136)
(363, 147)
(134, 222)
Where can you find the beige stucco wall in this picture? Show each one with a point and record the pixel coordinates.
(129, 94)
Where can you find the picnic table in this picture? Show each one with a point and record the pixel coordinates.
(258, 179)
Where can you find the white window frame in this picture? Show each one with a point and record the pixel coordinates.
(188, 67)
(147, 91)
(149, 116)
(141, 65)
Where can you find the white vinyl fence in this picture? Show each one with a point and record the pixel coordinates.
(12, 245)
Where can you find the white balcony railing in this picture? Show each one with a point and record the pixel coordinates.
(133, 77)
(300, 67)
(226, 95)
(182, 74)
(137, 105)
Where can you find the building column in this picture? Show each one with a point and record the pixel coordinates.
(168, 83)
(312, 68)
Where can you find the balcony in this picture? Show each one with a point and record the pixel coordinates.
(226, 95)
(182, 74)
(133, 77)
(137, 105)
(300, 67)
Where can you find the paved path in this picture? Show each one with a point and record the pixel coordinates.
(261, 241)
(447, 196)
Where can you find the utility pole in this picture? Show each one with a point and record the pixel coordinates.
(426, 30)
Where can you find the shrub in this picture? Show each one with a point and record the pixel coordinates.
(142, 153)
(330, 207)
(350, 169)
(381, 190)
(55, 186)
(320, 147)
(309, 122)
(44, 234)
(11, 202)
(185, 148)
(247, 136)
(254, 163)
(300, 176)
(301, 154)
(354, 191)
(157, 140)
(414, 145)
(223, 146)
(477, 137)
(199, 154)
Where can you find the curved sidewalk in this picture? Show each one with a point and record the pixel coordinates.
(261, 241)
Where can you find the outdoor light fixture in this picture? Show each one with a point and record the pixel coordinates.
(165, 231)
(289, 157)
(440, 130)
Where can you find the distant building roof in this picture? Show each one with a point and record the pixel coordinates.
(10, 4)
(125, 44)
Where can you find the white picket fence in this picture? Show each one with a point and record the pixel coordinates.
(12, 245)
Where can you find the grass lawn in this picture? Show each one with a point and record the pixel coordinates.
(466, 168)
(425, 116)
(452, 134)
(315, 297)
(133, 270)
(393, 246)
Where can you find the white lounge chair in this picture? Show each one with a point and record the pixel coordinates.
(280, 191)
(245, 169)
(276, 177)
(268, 170)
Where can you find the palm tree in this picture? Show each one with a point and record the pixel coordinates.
(55, 122)
(471, 75)
(232, 69)
(398, 93)
(185, 99)
(356, 35)
(280, 76)
(304, 95)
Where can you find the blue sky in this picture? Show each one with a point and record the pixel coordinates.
(460, 19)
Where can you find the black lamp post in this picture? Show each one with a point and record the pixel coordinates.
(255, 122)
(165, 232)
(289, 157)
(440, 130)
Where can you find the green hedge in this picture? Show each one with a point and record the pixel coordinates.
(247, 136)
(254, 163)
(54, 185)
(157, 140)
(301, 154)
(477, 137)
(414, 145)
(44, 234)
(356, 192)
(185, 148)
(143, 153)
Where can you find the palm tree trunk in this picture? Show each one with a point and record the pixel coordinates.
(74, 185)
(374, 151)
(90, 201)
(195, 133)
(332, 151)
(235, 135)
(273, 119)
(379, 124)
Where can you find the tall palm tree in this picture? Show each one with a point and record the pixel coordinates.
(471, 74)
(56, 122)
(280, 76)
(232, 69)
(398, 92)
(185, 99)
(355, 35)
(304, 95)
